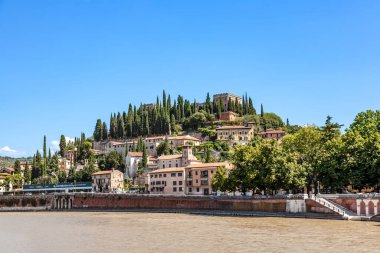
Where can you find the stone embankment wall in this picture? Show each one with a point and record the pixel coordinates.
(118, 201)
(26, 203)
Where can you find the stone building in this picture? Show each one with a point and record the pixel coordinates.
(178, 160)
(235, 134)
(229, 116)
(225, 97)
(108, 181)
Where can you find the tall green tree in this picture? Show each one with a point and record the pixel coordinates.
(62, 146)
(98, 130)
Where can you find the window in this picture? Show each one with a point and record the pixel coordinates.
(155, 176)
(180, 189)
(160, 175)
(170, 165)
(180, 174)
(172, 174)
(163, 166)
(196, 173)
(174, 182)
(176, 165)
(196, 181)
(179, 182)
(190, 189)
(197, 189)
(174, 189)
(164, 175)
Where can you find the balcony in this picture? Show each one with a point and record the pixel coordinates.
(204, 182)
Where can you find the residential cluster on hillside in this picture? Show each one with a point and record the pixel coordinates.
(144, 149)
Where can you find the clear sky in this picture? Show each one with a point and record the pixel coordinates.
(65, 63)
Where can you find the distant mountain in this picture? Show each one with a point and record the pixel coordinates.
(6, 161)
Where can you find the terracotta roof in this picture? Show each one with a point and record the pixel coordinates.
(114, 143)
(168, 170)
(168, 157)
(271, 131)
(205, 165)
(10, 169)
(232, 127)
(184, 137)
(135, 154)
(154, 138)
(104, 172)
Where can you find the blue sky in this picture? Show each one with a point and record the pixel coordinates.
(63, 64)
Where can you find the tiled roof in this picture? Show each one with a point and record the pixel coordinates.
(105, 172)
(135, 154)
(205, 165)
(169, 157)
(232, 127)
(168, 170)
(184, 137)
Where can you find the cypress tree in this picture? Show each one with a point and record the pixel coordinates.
(120, 127)
(164, 99)
(44, 165)
(144, 158)
(62, 146)
(208, 106)
(230, 105)
(251, 109)
(287, 122)
(17, 167)
(104, 131)
(219, 107)
(262, 111)
(98, 130)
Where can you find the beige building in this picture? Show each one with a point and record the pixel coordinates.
(166, 181)
(229, 116)
(225, 98)
(108, 181)
(151, 144)
(235, 134)
(178, 141)
(272, 134)
(178, 160)
(199, 177)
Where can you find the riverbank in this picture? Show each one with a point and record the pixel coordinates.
(321, 207)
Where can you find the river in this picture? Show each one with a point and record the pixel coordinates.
(82, 232)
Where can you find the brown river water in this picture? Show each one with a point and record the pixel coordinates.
(79, 232)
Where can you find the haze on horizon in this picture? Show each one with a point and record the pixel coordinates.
(64, 64)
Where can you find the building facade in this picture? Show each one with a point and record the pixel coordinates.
(166, 181)
(225, 97)
(108, 181)
(199, 177)
(272, 134)
(235, 134)
(178, 160)
(132, 163)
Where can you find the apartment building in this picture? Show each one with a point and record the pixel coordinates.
(166, 181)
(235, 134)
(199, 177)
(151, 144)
(178, 141)
(225, 97)
(177, 160)
(108, 181)
(272, 134)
